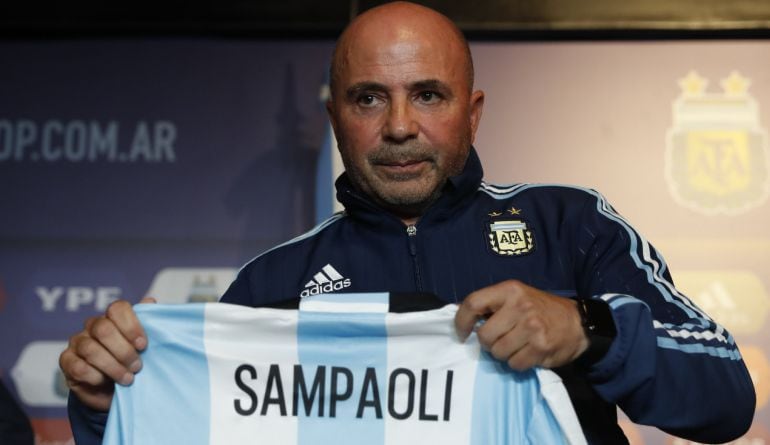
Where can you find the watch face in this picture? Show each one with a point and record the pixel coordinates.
(600, 329)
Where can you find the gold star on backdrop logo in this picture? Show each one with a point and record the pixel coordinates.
(493, 214)
(693, 84)
(514, 211)
(735, 84)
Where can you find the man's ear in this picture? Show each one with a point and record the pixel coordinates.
(330, 113)
(476, 107)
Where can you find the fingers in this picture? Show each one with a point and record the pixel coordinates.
(77, 370)
(481, 304)
(106, 351)
(523, 326)
(523, 346)
(122, 315)
(110, 351)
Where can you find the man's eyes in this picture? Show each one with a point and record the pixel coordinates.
(368, 100)
(429, 97)
(373, 100)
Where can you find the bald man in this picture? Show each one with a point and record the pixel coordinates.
(560, 279)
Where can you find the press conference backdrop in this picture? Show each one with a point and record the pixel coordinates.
(134, 167)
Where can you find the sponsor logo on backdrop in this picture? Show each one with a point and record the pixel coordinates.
(37, 376)
(191, 285)
(75, 298)
(735, 299)
(717, 154)
(77, 141)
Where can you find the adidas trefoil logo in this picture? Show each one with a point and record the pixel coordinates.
(326, 281)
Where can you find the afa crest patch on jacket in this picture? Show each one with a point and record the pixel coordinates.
(509, 235)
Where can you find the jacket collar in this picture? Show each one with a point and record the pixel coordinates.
(456, 192)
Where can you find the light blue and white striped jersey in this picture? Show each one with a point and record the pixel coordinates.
(332, 372)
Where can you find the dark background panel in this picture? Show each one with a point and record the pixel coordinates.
(486, 19)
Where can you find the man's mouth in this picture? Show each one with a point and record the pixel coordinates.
(405, 166)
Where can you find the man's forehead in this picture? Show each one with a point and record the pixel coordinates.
(400, 60)
(400, 43)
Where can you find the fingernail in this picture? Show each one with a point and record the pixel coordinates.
(126, 379)
(136, 366)
(140, 343)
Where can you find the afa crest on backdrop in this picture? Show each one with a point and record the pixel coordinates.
(717, 155)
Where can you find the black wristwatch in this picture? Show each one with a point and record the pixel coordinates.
(599, 326)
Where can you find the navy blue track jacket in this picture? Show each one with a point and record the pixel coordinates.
(669, 366)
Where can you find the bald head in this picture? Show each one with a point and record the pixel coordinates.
(402, 105)
(401, 22)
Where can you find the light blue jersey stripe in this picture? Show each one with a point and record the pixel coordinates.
(499, 422)
(331, 220)
(182, 349)
(329, 339)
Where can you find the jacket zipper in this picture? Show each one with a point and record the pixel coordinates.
(411, 232)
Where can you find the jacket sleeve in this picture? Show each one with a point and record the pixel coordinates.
(87, 425)
(15, 428)
(670, 366)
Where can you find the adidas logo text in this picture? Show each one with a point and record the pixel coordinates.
(326, 281)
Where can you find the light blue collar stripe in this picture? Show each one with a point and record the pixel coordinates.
(498, 189)
(314, 231)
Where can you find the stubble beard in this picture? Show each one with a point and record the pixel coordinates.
(405, 194)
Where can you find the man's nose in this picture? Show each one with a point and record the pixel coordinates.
(401, 123)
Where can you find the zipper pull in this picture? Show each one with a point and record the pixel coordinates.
(411, 232)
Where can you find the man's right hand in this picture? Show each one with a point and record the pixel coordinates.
(105, 352)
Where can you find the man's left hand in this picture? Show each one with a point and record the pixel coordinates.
(524, 326)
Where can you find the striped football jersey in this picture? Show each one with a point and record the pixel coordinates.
(342, 369)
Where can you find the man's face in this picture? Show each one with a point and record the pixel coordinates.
(404, 117)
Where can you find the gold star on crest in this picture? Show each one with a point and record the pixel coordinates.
(493, 214)
(514, 211)
(693, 84)
(735, 84)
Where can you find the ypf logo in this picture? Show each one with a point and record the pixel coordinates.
(716, 154)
